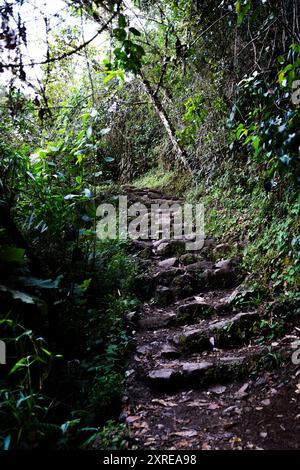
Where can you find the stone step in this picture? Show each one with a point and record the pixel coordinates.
(157, 322)
(202, 307)
(192, 311)
(221, 334)
(221, 278)
(204, 273)
(166, 277)
(189, 258)
(164, 296)
(199, 372)
(168, 263)
(171, 248)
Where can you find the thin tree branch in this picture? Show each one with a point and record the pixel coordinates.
(66, 54)
(209, 28)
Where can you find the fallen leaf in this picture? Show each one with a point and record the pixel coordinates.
(266, 402)
(182, 444)
(214, 406)
(132, 419)
(241, 393)
(189, 433)
(195, 403)
(163, 403)
(142, 432)
(206, 446)
(219, 389)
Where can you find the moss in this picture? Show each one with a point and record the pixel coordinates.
(262, 229)
(154, 179)
(174, 182)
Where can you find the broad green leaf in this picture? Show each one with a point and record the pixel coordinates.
(135, 31)
(120, 34)
(281, 77)
(19, 365)
(122, 21)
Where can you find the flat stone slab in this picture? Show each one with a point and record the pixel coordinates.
(196, 368)
(199, 266)
(143, 350)
(184, 285)
(164, 378)
(193, 310)
(218, 277)
(249, 318)
(157, 322)
(232, 360)
(163, 296)
(164, 278)
(169, 352)
(224, 264)
(189, 258)
(168, 263)
(225, 333)
(159, 242)
(194, 340)
(171, 248)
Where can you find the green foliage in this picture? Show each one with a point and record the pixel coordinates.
(243, 7)
(113, 436)
(272, 125)
(24, 418)
(129, 55)
(154, 179)
(194, 117)
(277, 250)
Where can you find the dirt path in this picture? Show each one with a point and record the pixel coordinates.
(197, 379)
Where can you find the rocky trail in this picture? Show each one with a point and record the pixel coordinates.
(198, 378)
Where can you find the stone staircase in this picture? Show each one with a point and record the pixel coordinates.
(189, 334)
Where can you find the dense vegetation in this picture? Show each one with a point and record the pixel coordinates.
(199, 98)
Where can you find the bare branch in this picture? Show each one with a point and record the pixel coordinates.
(66, 54)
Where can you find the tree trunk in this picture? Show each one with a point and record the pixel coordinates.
(161, 112)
